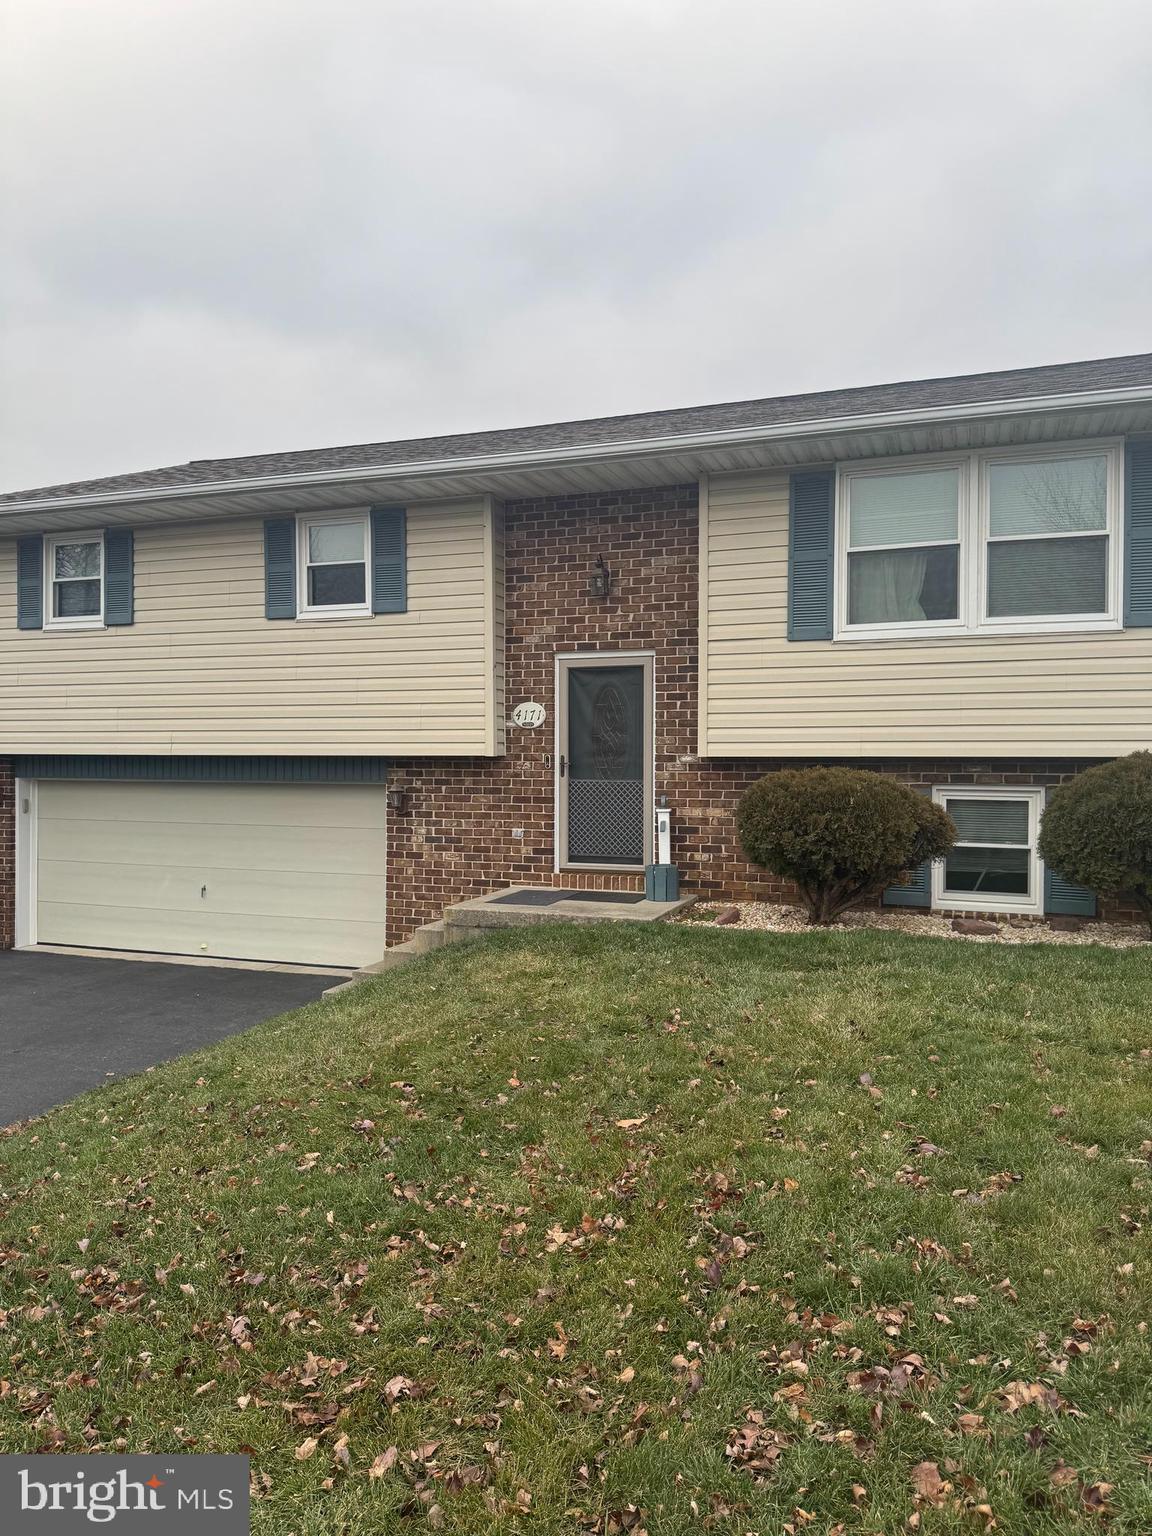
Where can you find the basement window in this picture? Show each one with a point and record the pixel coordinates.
(994, 866)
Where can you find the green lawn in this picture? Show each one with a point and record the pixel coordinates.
(611, 1230)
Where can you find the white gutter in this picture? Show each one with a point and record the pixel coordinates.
(592, 452)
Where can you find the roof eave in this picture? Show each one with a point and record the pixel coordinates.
(630, 448)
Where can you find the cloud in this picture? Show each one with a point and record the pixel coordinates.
(243, 225)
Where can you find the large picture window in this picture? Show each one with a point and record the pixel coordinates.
(1009, 542)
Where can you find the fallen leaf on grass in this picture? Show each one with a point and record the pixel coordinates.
(971, 1424)
(398, 1387)
(927, 1483)
(1094, 1496)
(754, 1447)
(1029, 1394)
(384, 1462)
(631, 1125)
(307, 1448)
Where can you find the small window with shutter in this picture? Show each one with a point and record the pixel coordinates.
(74, 581)
(333, 567)
(336, 565)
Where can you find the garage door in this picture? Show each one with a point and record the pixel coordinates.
(245, 872)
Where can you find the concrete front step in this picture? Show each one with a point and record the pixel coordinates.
(429, 937)
(422, 942)
(499, 909)
(470, 919)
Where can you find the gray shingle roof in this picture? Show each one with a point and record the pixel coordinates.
(1017, 383)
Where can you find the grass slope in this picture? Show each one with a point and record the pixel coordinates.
(621, 1230)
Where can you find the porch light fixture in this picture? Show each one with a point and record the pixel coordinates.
(397, 799)
(600, 582)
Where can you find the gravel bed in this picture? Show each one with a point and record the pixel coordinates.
(775, 917)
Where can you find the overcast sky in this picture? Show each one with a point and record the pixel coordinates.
(231, 226)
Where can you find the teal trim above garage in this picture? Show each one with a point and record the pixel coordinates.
(209, 770)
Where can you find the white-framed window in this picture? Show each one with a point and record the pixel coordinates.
(1013, 541)
(994, 865)
(74, 581)
(333, 566)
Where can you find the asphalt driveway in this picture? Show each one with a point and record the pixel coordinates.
(71, 1022)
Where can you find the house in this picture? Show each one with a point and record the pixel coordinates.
(288, 707)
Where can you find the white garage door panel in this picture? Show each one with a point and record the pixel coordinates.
(301, 941)
(293, 893)
(255, 872)
(256, 804)
(219, 845)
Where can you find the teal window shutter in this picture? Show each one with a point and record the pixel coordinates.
(918, 890)
(118, 576)
(1138, 534)
(280, 568)
(30, 582)
(811, 541)
(1062, 896)
(389, 560)
(917, 893)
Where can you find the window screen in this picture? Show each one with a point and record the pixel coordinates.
(915, 514)
(993, 853)
(1030, 572)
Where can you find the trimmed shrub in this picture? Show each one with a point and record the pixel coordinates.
(1097, 830)
(842, 835)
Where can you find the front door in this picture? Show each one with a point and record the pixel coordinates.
(604, 764)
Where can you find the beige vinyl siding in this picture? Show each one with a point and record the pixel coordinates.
(203, 671)
(1071, 695)
(496, 628)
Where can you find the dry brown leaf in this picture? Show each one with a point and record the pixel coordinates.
(1029, 1394)
(927, 1483)
(307, 1448)
(384, 1462)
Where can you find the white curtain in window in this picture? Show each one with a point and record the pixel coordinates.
(886, 586)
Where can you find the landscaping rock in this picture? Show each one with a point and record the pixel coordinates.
(729, 915)
(974, 925)
(1066, 924)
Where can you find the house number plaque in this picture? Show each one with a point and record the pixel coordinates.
(529, 714)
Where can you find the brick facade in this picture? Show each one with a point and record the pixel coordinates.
(469, 826)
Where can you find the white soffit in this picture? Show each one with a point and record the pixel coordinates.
(617, 467)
